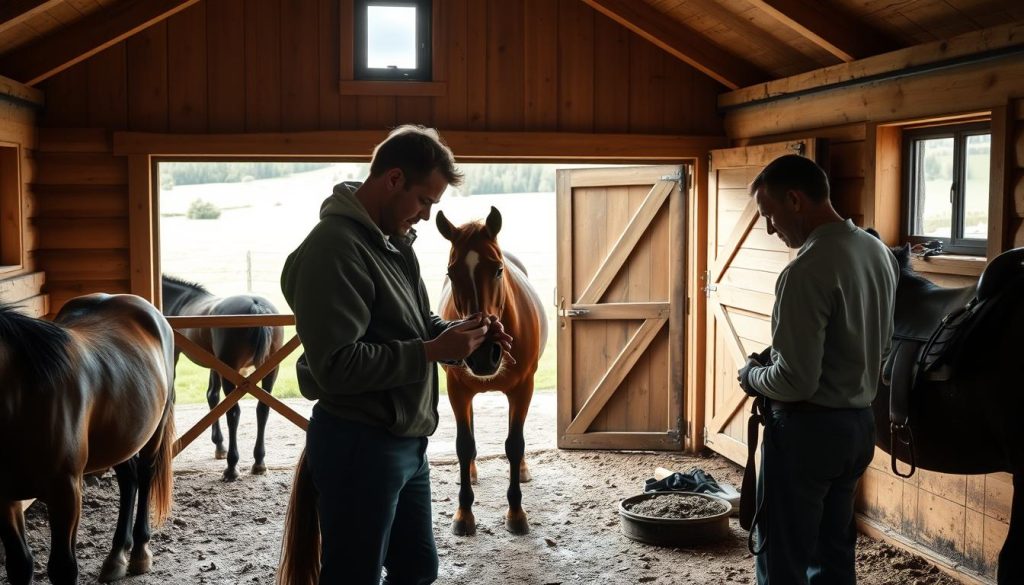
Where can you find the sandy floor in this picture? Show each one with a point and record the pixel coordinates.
(230, 533)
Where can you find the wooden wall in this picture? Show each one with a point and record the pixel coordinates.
(21, 283)
(273, 66)
(234, 66)
(959, 520)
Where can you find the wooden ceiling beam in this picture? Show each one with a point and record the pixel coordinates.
(63, 48)
(828, 28)
(680, 41)
(15, 12)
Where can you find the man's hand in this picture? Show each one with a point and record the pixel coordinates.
(744, 374)
(457, 341)
(496, 333)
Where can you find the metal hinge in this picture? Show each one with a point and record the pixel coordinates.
(674, 177)
(708, 287)
(799, 147)
(705, 435)
(573, 312)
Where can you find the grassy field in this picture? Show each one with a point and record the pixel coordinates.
(263, 221)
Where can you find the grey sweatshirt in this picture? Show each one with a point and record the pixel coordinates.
(362, 313)
(832, 324)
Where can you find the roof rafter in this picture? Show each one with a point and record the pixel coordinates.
(827, 28)
(18, 11)
(680, 41)
(48, 56)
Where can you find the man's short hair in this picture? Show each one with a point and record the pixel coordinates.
(417, 151)
(795, 172)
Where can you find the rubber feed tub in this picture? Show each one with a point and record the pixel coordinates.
(673, 531)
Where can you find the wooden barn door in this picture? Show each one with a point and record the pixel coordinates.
(743, 265)
(621, 300)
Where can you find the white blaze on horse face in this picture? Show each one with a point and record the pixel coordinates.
(472, 260)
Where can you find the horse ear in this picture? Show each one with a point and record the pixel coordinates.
(902, 254)
(444, 226)
(494, 222)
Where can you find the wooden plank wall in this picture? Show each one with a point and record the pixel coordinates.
(274, 65)
(22, 286)
(81, 214)
(961, 521)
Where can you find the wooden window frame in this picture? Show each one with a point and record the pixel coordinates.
(956, 243)
(352, 81)
(11, 232)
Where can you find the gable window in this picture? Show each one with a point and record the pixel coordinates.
(392, 40)
(946, 172)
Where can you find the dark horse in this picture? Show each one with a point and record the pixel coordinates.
(482, 278)
(94, 389)
(966, 419)
(238, 347)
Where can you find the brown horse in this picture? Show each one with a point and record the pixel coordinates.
(90, 391)
(965, 418)
(238, 347)
(482, 278)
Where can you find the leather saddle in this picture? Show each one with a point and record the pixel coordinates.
(932, 326)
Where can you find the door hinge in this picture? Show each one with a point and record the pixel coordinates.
(708, 287)
(799, 147)
(705, 435)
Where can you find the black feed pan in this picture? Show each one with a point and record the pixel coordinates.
(673, 531)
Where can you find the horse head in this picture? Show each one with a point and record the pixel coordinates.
(476, 277)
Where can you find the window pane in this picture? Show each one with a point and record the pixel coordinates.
(979, 155)
(391, 37)
(934, 171)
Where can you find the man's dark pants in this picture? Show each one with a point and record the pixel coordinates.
(810, 463)
(374, 503)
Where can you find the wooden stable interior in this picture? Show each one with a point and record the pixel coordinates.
(96, 92)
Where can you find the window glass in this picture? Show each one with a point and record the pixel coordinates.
(391, 37)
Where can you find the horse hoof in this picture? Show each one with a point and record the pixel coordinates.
(230, 474)
(141, 562)
(220, 453)
(259, 468)
(516, 523)
(114, 568)
(464, 524)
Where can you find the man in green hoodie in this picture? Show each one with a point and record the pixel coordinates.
(371, 343)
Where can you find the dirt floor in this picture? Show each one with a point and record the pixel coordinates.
(230, 533)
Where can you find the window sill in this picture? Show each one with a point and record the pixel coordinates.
(950, 264)
(395, 88)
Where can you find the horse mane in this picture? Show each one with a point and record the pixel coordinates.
(41, 347)
(186, 283)
(471, 231)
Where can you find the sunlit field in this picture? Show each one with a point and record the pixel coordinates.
(262, 221)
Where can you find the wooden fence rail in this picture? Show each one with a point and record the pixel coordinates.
(243, 384)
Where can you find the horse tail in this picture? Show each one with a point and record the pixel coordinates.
(162, 486)
(300, 547)
(262, 337)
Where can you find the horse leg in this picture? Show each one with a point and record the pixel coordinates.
(12, 535)
(463, 523)
(64, 504)
(1011, 563)
(262, 413)
(142, 559)
(213, 398)
(472, 432)
(233, 414)
(515, 448)
(116, 564)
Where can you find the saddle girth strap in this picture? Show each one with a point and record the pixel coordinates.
(904, 377)
(750, 508)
